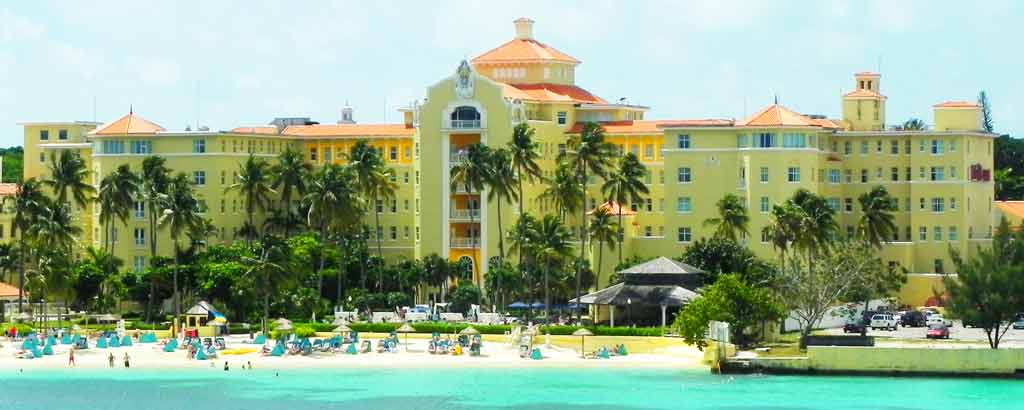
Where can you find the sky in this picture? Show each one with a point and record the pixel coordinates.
(228, 63)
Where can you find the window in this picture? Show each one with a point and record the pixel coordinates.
(766, 235)
(922, 203)
(952, 234)
(952, 172)
(138, 264)
(793, 174)
(833, 176)
(62, 134)
(937, 147)
(42, 157)
(920, 146)
(741, 141)
(379, 206)
(938, 205)
(952, 204)
(937, 233)
(649, 151)
(878, 146)
(920, 173)
(417, 233)
(661, 176)
(952, 146)
(312, 154)
(848, 205)
(684, 234)
(906, 147)
(393, 153)
(44, 135)
(847, 148)
(764, 174)
(908, 174)
(764, 140)
(938, 266)
(894, 174)
(140, 209)
(222, 205)
(405, 205)
(906, 233)
(417, 182)
(863, 147)
(833, 203)
(922, 233)
(562, 117)
(684, 205)
(684, 175)
(794, 140)
(648, 231)
(199, 146)
(393, 232)
(201, 206)
(140, 237)
(765, 205)
(405, 177)
(141, 147)
(113, 147)
(849, 232)
(878, 173)
(199, 178)
(863, 176)
(894, 147)
(684, 141)
(906, 204)
(938, 174)
(405, 232)
(328, 155)
(848, 176)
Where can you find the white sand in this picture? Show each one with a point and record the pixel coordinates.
(151, 356)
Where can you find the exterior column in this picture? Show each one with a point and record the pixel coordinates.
(611, 310)
(663, 317)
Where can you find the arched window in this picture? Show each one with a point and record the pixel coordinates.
(466, 263)
(465, 117)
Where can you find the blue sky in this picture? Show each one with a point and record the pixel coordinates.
(252, 61)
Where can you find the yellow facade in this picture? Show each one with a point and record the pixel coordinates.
(940, 176)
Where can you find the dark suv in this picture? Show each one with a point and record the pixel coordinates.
(913, 318)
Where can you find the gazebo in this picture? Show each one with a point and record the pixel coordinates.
(661, 282)
(203, 317)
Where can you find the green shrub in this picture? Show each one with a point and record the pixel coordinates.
(22, 327)
(305, 331)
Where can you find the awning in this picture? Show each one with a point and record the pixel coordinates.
(622, 294)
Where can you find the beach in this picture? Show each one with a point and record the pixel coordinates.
(496, 352)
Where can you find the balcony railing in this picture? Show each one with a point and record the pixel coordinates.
(461, 189)
(464, 124)
(465, 214)
(464, 243)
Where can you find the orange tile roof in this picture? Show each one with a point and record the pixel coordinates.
(350, 130)
(1011, 208)
(649, 126)
(129, 124)
(8, 189)
(956, 104)
(863, 93)
(270, 130)
(826, 123)
(8, 291)
(867, 74)
(545, 92)
(614, 209)
(523, 50)
(776, 115)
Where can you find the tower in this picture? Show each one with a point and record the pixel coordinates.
(346, 115)
(864, 107)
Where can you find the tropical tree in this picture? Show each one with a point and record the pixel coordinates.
(817, 224)
(116, 198)
(553, 249)
(604, 231)
(564, 190)
(86, 283)
(377, 183)
(472, 174)
(288, 177)
(732, 218)
(912, 124)
(730, 300)
(155, 180)
(876, 222)
(524, 156)
(179, 216)
(986, 112)
(29, 201)
(69, 175)
(53, 236)
(501, 187)
(8, 260)
(437, 272)
(590, 154)
(332, 198)
(253, 183)
(625, 184)
(270, 268)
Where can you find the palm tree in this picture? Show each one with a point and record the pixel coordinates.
(437, 272)
(501, 187)
(289, 177)
(604, 231)
(105, 261)
(53, 236)
(587, 152)
(155, 179)
(180, 216)
(271, 266)
(564, 190)
(912, 124)
(472, 174)
(552, 247)
(377, 183)
(116, 197)
(876, 221)
(732, 218)
(785, 228)
(331, 197)
(625, 184)
(68, 174)
(524, 156)
(8, 260)
(29, 204)
(254, 184)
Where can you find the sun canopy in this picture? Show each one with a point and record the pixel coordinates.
(622, 294)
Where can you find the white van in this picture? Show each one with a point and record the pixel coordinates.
(883, 321)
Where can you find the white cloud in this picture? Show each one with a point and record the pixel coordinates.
(156, 71)
(18, 28)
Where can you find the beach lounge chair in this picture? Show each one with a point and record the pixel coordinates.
(475, 345)
(535, 354)
(114, 341)
(351, 349)
(524, 351)
(200, 355)
(211, 352)
(278, 350)
(381, 345)
(171, 345)
(101, 343)
(66, 339)
(366, 347)
(126, 341)
(51, 340)
(220, 344)
(149, 337)
(602, 353)
(81, 343)
(260, 339)
(621, 351)
(48, 350)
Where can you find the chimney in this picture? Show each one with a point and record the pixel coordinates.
(524, 28)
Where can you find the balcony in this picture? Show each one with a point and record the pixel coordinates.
(464, 214)
(464, 243)
(461, 190)
(464, 124)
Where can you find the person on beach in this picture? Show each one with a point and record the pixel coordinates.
(110, 360)
(127, 361)
(225, 365)
(71, 357)
(249, 364)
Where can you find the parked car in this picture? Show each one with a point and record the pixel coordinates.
(937, 318)
(855, 326)
(868, 314)
(883, 321)
(913, 319)
(937, 331)
(1019, 324)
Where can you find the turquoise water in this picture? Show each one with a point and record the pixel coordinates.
(458, 389)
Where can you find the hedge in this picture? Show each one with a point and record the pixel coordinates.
(449, 328)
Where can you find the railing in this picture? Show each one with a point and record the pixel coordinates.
(461, 189)
(463, 243)
(465, 214)
(464, 124)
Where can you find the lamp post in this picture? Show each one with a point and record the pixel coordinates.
(629, 311)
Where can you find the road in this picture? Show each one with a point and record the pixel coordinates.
(958, 336)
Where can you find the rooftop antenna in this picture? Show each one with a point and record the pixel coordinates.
(197, 105)
(776, 99)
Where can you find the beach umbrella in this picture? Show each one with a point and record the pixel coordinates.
(469, 330)
(339, 321)
(582, 333)
(283, 321)
(406, 328)
(22, 316)
(106, 318)
(537, 305)
(518, 305)
(284, 326)
(342, 329)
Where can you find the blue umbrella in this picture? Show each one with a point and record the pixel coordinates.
(518, 305)
(537, 305)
